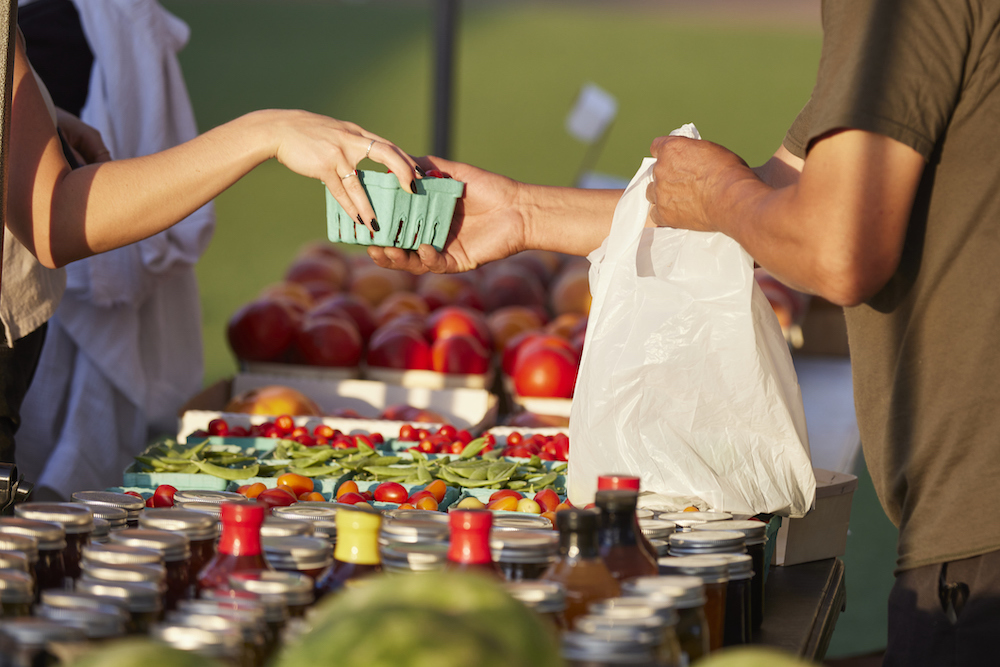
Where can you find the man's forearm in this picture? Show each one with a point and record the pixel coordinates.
(568, 220)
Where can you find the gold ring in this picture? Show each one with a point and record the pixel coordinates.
(353, 173)
(369, 148)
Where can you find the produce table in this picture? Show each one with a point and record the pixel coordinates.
(803, 603)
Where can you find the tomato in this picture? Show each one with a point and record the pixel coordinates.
(149, 501)
(350, 486)
(551, 516)
(298, 430)
(376, 438)
(324, 431)
(321, 441)
(506, 503)
(239, 432)
(276, 497)
(434, 173)
(437, 488)
(428, 447)
(545, 371)
(517, 452)
(547, 499)
(361, 439)
(251, 491)
(514, 439)
(312, 496)
(350, 498)
(417, 495)
(390, 492)
(306, 440)
(464, 436)
(564, 505)
(296, 484)
(407, 432)
(367, 495)
(454, 448)
(562, 447)
(504, 493)
(218, 427)
(448, 431)
(426, 503)
(164, 496)
(285, 424)
(134, 493)
(407, 506)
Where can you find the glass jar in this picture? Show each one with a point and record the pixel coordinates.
(116, 518)
(15, 560)
(224, 644)
(705, 542)
(414, 530)
(664, 654)
(201, 529)
(246, 616)
(98, 626)
(132, 505)
(655, 614)
(121, 554)
(687, 594)
(143, 601)
(50, 569)
(28, 641)
(87, 602)
(320, 514)
(154, 574)
(239, 545)
(409, 557)
(205, 496)
(77, 522)
(25, 545)
(310, 556)
(17, 592)
(618, 535)
(176, 551)
(278, 527)
(714, 574)
(738, 608)
(521, 522)
(101, 530)
(296, 590)
(606, 647)
(546, 598)
(657, 529)
(356, 554)
(524, 555)
(213, 510)
(469, 542)
(755, 534)
(686, 520)
(275, 613)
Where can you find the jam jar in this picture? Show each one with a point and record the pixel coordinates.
(755, 533)
(687, 595)
(50, 570)
(294, 588)
(547, 598)
(154, 574)
(705, 542)
(143, 600)
(524, 555)
(78, 522)
(280, 527)
(25, 545)
(98, 626)
(132, 505)
(686, 520)
(176, 551)
(738, 605)
(29, 640)
(246, 616)
(414, 529)
(310, 556)
(16, 560)
(274, 608)
(657, 614)
(17, 592)
(224, 644)
(713, 571)
(114, 517)
(608, 647)
(201, 529)
(410, 557)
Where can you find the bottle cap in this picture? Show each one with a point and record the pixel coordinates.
(616, 481)
(470, 536)
(242, 512)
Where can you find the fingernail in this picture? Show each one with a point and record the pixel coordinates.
(413, 186)
(360, 220)
(420, 170)
(375, 224)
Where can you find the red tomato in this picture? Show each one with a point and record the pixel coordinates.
(545, 372)
(562, 448)
(423, 493)
(350, 486)
(437, 488)
(454, 448)
(448, 431)
(361, 439)
(350, 498)
(218, 427)
(517, 452)
(376, 438)
(239, 432)
(164, 496)
(284, 424)
(428, 447)
(276, 497)
(299, 430)
(505, 493)
(295, 484)
(390, 492)
(306, 440)
(514, 438)
(149, 501)
(312, 496)
(343, 442)
(367, 495)
(251, 491)
(324, 431)
(464, 436)
(407, 432)
(434, 173)
(422, 434)
(547, 499)
(134, 493)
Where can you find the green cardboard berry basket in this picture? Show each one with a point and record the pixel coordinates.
(406, 220)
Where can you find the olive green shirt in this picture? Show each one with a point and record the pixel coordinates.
(925, 350)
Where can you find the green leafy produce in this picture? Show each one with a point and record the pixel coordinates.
(142, 652)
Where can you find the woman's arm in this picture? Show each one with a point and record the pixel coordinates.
(62, 215)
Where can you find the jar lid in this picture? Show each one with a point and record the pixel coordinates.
(710, 569)
(685, 520)
(153, 573)
(209, 642)
(174, 546)
(755, 532)
(50, 536)
(411, 557)
(294, 587)
(524, 546)
(740, 565)
(25, 544)
(620, 645)
(95, 624)
(16, 587)
(637, 607)
(696, 543)
(133, 505)
(139, 597)
(657, 529)
(616, 500)
(412, 530)
(642, 514)
(275, 607)
(34, 632)
(121, 554)
(76, 519)
(303, 511)
(198, 526)
(685, 591)
(618, 481)
(419, 515)
(116, 517)
(206, 496)
(279, 527)
(662, 547)
(211, 509)
(521, 521)
(101, 530)
(55, 597)
(244, 512)
(326, 530)
(594, 623)
(297, 552)
(14, 560)
(247, 615)
(545, 597)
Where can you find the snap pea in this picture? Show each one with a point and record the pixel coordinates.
(227, 473)
(473, 448)
(316, 471)
(380, 471)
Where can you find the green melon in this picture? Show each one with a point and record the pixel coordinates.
(142, 652)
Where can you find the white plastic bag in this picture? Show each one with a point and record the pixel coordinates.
(685, 378)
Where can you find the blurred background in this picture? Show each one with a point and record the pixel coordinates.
(739, 70)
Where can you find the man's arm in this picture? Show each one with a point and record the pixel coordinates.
(837, 231)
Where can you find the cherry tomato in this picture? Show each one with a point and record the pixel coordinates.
(342, 442)
(503, 493)
(305, 439)
(454, 448)
(251, 491)
(406, 506)
(437, 488)
(312, 496)
(367, 495)
(547, 499)
(551, 516)
(295, 484)
(390, 492)
(448, 431)
(200, 433)
(507, 503)
(361, 439)
(422, 434)
(514, 438)
(464, 436)
(324, 431)
(426, 503)
(376, 438)
(149, 501)
(299, 430)
(350, 498)
(407, 432)
(164, 496)
(134, 493)
(285, 424)
(276, 497)
(428, 447)
(239, 432)
(423, 493)
(218, 427)
(350, 486)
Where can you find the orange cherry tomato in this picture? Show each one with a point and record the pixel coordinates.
(312, 496)
(551, 516)
(502, 493)
(407, 506)
(252, 490)
(508, 503)
(350, 486)
(427, 503)
(437, 488)
(297, 484)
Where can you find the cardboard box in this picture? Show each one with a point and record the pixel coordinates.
(822, 533)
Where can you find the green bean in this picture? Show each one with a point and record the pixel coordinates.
(316, 471)
(473, 448)
(227, 473)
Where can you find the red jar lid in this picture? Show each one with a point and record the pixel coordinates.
(470, 536)
(243, 512)
(629, 482)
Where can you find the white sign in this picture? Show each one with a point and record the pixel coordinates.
(594, 110)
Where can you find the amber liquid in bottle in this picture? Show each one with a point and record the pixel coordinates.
(630, 483)
(469, 542)
(356, 554)
(579, 567)
(239, 545)
(619, 542)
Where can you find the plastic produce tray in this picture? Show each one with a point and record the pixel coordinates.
(406, 220)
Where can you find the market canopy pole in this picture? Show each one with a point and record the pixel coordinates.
(445, 21)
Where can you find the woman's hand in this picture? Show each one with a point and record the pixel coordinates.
(84, 140)
(330, 150)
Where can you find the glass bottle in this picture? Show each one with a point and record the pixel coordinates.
(628, 483)
(356, 554)
(579, 567)
(619, 536)
(77, 522)
(239, 544)
(469, 546)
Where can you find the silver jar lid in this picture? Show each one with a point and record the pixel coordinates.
(297, 552)
(755, 532)
(661, 547)
(174, 546)
(247, 615)
(95, 624)
(419, 515)
(643, 514)
(700, 542)
(413, 557)
(657, 529)
(710, 569)
(208, 642)
(295, 588)
(620, 646)
(206, 496)
(155, 574)
(685, 520)
(14, 560)
(596, 623)
(55, 597)
(280, 527)
(115, 517)
(525, 546)
(686, 591)
(545, 597)
(32, 632)
(521, 521)
(198, 526)
(75, 519)
(25, 544)
(121, 554)
(132, 505)
(214, 510)
(740, 565)
(275, 608)
(101, 531)
(16, 587)
(50, 536)
(307, 511)
(637, 607)
(412, 530)
(139, 597)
